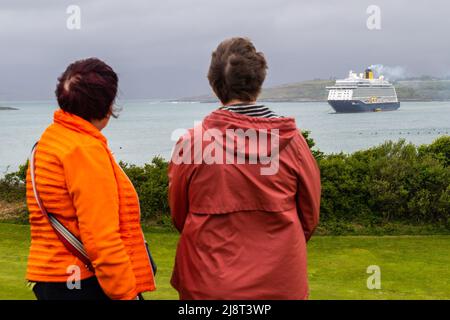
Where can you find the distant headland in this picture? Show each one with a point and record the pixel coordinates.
(7, 108)
(412, 89)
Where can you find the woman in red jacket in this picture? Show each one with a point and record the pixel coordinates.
(244, 191)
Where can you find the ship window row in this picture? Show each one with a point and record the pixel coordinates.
(368, 92)
(340, 95)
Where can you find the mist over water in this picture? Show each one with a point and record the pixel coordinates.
(144, 128)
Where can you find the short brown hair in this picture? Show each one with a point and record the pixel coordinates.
(87, 89)
(237, 70)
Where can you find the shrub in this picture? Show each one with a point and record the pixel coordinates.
(311, 143)
(439, 149)
(151, 183)
(391, 184)
(12, 185)
(388, 183)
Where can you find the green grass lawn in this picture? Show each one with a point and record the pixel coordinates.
(412, 267)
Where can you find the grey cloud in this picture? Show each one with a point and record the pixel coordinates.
(161, 49)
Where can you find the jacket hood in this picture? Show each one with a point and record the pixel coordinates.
(281, 129)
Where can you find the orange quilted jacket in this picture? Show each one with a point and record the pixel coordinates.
(86, 190)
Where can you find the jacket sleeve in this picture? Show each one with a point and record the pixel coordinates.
(92, 185)
(308, 192)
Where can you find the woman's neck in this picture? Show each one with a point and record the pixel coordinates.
(100, 124)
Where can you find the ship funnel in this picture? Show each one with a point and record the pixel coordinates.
(368, 74)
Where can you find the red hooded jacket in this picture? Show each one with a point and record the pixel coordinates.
(243, 233)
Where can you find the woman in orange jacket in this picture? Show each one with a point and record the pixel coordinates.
(81, 185)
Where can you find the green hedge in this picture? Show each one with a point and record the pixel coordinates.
(395, 182)
(12, 185)
(151, 183)
(392, 182)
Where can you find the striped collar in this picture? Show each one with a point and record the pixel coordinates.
(252, 110)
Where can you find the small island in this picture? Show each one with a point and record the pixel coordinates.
(7, 108)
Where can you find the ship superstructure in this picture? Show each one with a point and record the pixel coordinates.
(362, 93)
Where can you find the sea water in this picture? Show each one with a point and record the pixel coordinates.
(148, 128)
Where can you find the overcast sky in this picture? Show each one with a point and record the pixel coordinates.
(162, 48)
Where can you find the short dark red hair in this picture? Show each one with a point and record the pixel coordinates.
(87, 89)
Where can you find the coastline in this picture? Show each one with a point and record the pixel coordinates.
(413, 90)
(295, 100)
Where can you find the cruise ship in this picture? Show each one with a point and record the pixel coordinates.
(362, 93)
